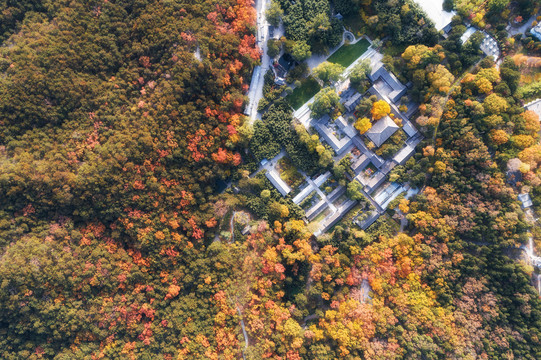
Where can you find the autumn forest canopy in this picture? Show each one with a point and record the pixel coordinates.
(130, 227)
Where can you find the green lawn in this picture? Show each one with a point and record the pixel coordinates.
(348, 53)
(309, 87)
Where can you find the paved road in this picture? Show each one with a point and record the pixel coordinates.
(256, 89)
(521, 30)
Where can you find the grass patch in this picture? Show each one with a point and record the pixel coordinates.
(384, 226)
(322, 215)
(312, 199)
(392, 145)
(348, 53)
(309, 87)
(341, 200)
(289, 173)
(530, 91)
(329, 185)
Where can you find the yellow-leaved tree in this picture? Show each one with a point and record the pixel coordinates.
(363, 125)
(380, 109)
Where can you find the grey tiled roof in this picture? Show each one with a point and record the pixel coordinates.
(409, 129)
(322, 127)
(526, 200)
(404, 154)
(278, 183)
(360, 164)
(352, 101)
(382, 130)
(389, 85)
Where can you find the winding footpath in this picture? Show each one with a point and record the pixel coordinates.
(231, 227)
(443, 103)
(243, 332)
(521, 29)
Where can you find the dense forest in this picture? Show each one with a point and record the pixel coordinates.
(119, 122)
(118, 118)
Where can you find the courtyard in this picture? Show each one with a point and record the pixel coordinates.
(367, 157)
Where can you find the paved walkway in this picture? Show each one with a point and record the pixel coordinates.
(522, 29)
(270, 165)
(376, 206)
(310, 187)
(304, 193)
(333, 218)
(316, 59)
(244, 334)
(304, 114)
(322, 178)
(319, 192)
